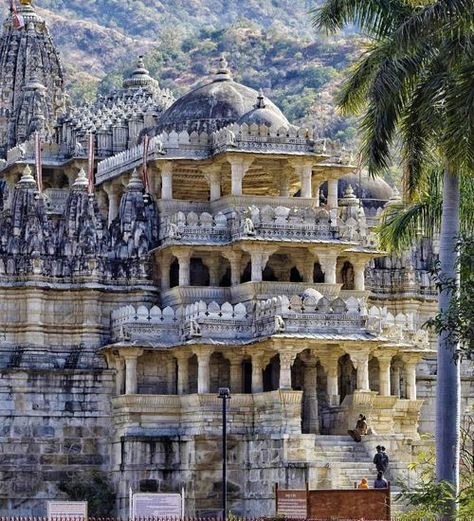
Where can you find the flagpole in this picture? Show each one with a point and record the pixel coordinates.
(90, 165)
(146, 181)
(38, 163)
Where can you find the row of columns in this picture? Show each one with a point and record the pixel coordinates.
(240, 165)
(127, 368)
(259, 257)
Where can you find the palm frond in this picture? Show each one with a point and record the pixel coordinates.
(434, 22)
(375, 17)
(388, 97)
(401, 224)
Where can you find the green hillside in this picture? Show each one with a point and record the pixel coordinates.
(269, 44)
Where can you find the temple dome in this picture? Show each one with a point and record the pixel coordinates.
(263, 114)
(217, 104)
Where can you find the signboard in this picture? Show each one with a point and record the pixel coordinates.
(157, 505)
(292, 504)
(58, 510)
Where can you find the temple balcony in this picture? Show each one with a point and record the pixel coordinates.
(308, 316)
(275, 412)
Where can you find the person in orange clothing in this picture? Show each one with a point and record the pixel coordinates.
(363, 483)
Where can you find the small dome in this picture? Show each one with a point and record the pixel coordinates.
(311, 292)
(261, 114)
(215, 105)
(369, 188)
(140, 77)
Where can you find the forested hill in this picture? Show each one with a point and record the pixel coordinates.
(268, 43)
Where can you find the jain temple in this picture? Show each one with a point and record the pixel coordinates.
(246, 258)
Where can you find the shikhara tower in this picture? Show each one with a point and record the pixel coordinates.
(31, 81)
(250, 263)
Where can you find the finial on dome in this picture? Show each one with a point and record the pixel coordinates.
(135, 184)
(140, 62)
(81, 181)
(25, 2)
(223, 72)
(260, 100)
(349, 193)
(395, 199)
(27, 176)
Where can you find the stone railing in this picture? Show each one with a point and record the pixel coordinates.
(400, 328)
(261, 138)
(237, 223)
(184, 295)
(309, 314)
(266, 290)
(188, 414)
(50, 153)
(127, 160)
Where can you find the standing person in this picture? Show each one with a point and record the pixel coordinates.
(380, 482)
(385, 460)
(378, 459)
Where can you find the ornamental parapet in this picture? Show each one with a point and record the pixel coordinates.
(265, 223)
(307, 314)
(268, 412)
(258, 139)
(261, 138)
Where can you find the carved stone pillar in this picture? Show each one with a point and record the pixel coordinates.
(235, 360)
(184, 261)
(165, 264)
(113, 194)
(213, 264)
(131, 356)
(385, 361)
(287, 357)
(257, 373)
(360, 359)
(119, 375)
(259, 260)
(395, 373)
(304, 170)
(171, 375)
(330, 362)
(239, 167)
(333, 201)
(410, 372)
(213, 176)
(182, 360)
(310, 397)
(234, 258)
(328, 262)
(359, 275)
(284, 183)
(166, 180)
(204, 359)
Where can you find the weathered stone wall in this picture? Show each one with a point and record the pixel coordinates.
(161, 463)
(53, 423)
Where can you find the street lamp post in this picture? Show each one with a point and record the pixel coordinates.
(224, 395)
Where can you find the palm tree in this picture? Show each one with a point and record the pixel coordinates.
(415, 81)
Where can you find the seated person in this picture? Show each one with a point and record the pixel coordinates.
(363, 483)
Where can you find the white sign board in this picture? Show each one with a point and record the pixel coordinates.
(58, 510)
(157, 505)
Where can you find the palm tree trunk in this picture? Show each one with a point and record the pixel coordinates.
(448, 387)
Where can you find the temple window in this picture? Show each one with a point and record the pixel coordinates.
(318, 275)
(199, 273)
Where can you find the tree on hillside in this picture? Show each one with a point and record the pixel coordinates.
(416, 81)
